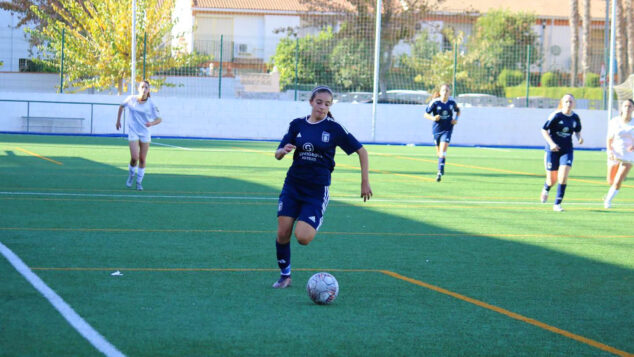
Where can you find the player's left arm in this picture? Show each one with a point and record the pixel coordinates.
(578, 133)
(155, 113)
(454, 121)
(156, 121)
(366, 190)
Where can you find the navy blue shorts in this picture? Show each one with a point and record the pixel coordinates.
(554, 159)
(443, 136)
(303, 202)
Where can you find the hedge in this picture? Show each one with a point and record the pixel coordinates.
(554, 92)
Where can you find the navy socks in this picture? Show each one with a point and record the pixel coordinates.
(284, 258)
(561, 191)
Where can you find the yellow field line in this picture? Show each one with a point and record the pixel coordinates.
(392, 274)
(377, 234)
(39, 156)
(510, 314)
(417, 177)
(334, 203)
(602, 183)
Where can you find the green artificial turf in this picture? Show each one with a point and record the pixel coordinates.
(473, 265)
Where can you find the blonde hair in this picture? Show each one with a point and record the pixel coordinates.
(560, 105)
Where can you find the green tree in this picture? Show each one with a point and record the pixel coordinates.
(351, 62)
(313, 64)
(97, 41)
(500, 40)
(399, 20)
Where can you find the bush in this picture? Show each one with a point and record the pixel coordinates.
(39, 66)
(555, 92)
(592, 80)
(550, 79)
(510, 78)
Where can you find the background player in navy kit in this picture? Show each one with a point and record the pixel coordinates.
(557, 131)
(304, 196)
(440, 110)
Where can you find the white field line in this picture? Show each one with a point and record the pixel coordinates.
(80, 325)
(171, 146)
(250, 198)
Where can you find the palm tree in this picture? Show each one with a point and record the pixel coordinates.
(574, 40)
(630, 31)
(585, 39)
(621, 42)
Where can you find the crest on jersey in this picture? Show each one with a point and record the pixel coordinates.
(325, 136)
(308, 147)
(561, 122)
(565, 129)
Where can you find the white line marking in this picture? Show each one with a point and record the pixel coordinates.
(346, 199)
(80, 325)
(171, 146)
(493, 149)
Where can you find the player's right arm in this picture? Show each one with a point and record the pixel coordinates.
(546, 135)
(281, 152)
(288, 142)
(609, 141)
(549, 140)
(118, 125)
(429, 113)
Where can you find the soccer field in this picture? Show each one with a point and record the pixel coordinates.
(473, 265)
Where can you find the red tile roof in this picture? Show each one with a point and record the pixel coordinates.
(544, 8)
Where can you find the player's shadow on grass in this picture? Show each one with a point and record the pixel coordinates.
(195, 221)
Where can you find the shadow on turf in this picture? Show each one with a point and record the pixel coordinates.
(230, 223)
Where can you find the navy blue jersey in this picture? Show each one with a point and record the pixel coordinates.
(560, 127)
(314, 156)
(445, 110)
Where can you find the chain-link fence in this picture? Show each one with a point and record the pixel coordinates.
(494, 59)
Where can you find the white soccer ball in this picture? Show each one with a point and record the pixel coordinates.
(322, 288)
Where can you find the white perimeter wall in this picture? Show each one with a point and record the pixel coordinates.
(268, 119)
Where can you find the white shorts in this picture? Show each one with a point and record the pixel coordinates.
(132, 136)
(624, 156)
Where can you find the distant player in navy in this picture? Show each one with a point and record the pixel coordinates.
(441, 111)
(558, 131)
(142, 114)
(305, 194)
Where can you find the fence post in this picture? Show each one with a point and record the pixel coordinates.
(144, 52)
(28, 116)
(220, 70)
(455, 66)
(528, 71)
(296, 65)
(61, 72)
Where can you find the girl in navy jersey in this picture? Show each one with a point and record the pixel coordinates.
(142, 114)
(440, 110)
(620, 148)
(557, 131)
(305, 194)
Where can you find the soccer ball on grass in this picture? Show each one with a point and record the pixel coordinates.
(322, 288)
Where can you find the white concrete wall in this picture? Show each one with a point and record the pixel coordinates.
(13, 42)
(268, 119)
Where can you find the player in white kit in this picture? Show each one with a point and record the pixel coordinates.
(142, 114)
(620, 148)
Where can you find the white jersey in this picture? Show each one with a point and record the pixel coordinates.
(139, 114)
(622, 135)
